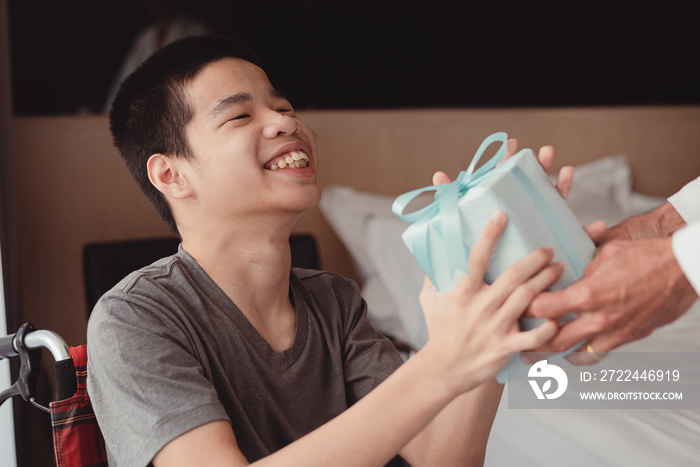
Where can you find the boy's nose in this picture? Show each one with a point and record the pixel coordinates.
(280, 124)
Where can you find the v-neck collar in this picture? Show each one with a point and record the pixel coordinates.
(279, 361)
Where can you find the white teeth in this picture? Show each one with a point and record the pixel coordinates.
(293, 160)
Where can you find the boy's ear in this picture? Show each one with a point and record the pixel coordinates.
(166, 175)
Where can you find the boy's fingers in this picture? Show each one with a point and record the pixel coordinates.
(518, 301)
(571, 334)
(441, 178)
(558, 303)
(565, 181)
(595, 229)
(525, 340)
(519, 272)
(511, 147)
(483, 248)
(546, 157)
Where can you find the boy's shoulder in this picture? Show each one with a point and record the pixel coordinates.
(153, 286)
(157, 275)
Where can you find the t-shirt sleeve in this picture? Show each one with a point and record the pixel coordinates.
(145, 383)
(368, 356)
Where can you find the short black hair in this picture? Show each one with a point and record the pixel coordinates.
(150, 110)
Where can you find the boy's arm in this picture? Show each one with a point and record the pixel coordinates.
(373, 430)
(458, 435)
(472, 329)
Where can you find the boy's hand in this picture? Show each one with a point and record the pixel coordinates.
(474, 326)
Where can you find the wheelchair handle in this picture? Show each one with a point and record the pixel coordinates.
(27, 343)
(36, 339)
(50, 341)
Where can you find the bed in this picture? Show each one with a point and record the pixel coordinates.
(613, 180)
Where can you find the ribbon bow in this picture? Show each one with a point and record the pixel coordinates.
(445, 203)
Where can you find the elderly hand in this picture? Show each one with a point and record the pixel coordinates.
(632, 286)
(659, 223)
(629, 289)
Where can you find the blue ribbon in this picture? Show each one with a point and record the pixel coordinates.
(446, 203)
(575, 260)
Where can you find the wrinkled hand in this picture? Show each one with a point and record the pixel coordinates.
(659, 223)
(623, 294)
(629, 289)
(474, 326)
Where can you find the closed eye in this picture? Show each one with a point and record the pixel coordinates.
(240, 117)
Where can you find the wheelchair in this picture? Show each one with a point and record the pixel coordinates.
(77, 438)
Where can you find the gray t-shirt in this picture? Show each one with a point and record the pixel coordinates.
(168, 351)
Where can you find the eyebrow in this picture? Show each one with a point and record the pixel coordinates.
(277, 94)
(226, 102)
(239, 98)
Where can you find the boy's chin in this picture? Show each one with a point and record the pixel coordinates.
(313, 199)
(304, 200)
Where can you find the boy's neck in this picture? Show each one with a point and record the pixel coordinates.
(252, 269)
(258, 263)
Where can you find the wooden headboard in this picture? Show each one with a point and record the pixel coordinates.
(70, 188)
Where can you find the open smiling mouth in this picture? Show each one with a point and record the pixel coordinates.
(292, 160)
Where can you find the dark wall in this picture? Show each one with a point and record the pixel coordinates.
(369, 54)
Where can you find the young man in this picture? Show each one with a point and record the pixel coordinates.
(224, 355)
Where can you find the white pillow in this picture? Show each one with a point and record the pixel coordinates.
(400, 273)
(348, 212)
(392, 278)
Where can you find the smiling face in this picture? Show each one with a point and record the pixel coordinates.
(252, 155)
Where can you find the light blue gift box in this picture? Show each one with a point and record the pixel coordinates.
(443, 232)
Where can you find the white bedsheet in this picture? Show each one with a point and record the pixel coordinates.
(604, 437)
